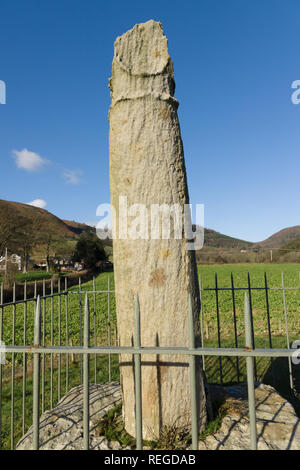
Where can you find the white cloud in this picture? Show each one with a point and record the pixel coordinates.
(38, 203)
(29, 161)
(72, 176)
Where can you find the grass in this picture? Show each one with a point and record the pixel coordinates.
(98, 334)
(31, 276)
(173, 437)
(112, 427)
(74, 379)
(240, 276)
(271, 372)
(67, 316)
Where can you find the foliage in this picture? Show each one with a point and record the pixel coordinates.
(112, 427)
(274, 372)
(89, 248)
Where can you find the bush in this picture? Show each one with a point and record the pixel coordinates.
(89, 248)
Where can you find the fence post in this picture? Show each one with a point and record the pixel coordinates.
(1, 334)
(52, 344)
(86, 343)
(95, 330)
(235, 327)
(251, 322)
(36, 375)
(24, 359)
(67, 332)
(250, 375)
(137, 370)
(192, 370)
(12, 414)
(287, 332)
(201, 318)
(109, 327)
(218, 326)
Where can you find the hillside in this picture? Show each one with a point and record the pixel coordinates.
(78, 228)
(280, 238)
(217, 246)
(40, 227)
(219, 240)
(40, 219)
(294, 245)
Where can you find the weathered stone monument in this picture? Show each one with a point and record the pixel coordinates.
(147, 167)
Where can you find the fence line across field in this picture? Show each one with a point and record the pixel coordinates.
(60, 350)
(137, 350)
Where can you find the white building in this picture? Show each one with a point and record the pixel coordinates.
(13, 259)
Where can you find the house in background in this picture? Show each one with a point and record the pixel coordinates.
(11, 259)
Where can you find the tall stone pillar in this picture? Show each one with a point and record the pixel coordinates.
(147, 167)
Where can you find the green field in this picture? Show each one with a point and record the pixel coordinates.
(69, 310)
(31, 276)
(275, 298)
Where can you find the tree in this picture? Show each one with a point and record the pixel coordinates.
(89, 248)
(24, 240)
(8, 228)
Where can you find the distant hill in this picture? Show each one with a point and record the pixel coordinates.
(290, 246)
(217, 246)
(280, 238)
(41, 222)
(78, 228)
(15, 211)
(219, 240)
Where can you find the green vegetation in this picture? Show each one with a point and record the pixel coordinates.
(74, 380)
(36, 233)
(74, 302)
(273, 372)
(240, 276)
(31, 276)
(219, 411)
(112, 427)
(89, 248)
(171, 437)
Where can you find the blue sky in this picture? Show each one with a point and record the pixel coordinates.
(234, 64)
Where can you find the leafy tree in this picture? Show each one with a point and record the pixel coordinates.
(90, 249)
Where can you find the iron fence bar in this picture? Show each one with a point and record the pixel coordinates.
(86, 342)
(67, 332)
(250, 375)
(108, 327)
(235, 327)
(52, 344)
(268, 311)
(269, 322)
(230, 352)
(43, 344)
(137, 373)
(1, 372)
(218, 326)
(36, 375)
(95, 331)
(192, 374)
(24, 362)
(287, 332)
(201, 318)
(59, 342)
(80, 329)
(251, 318)
(12, 412)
